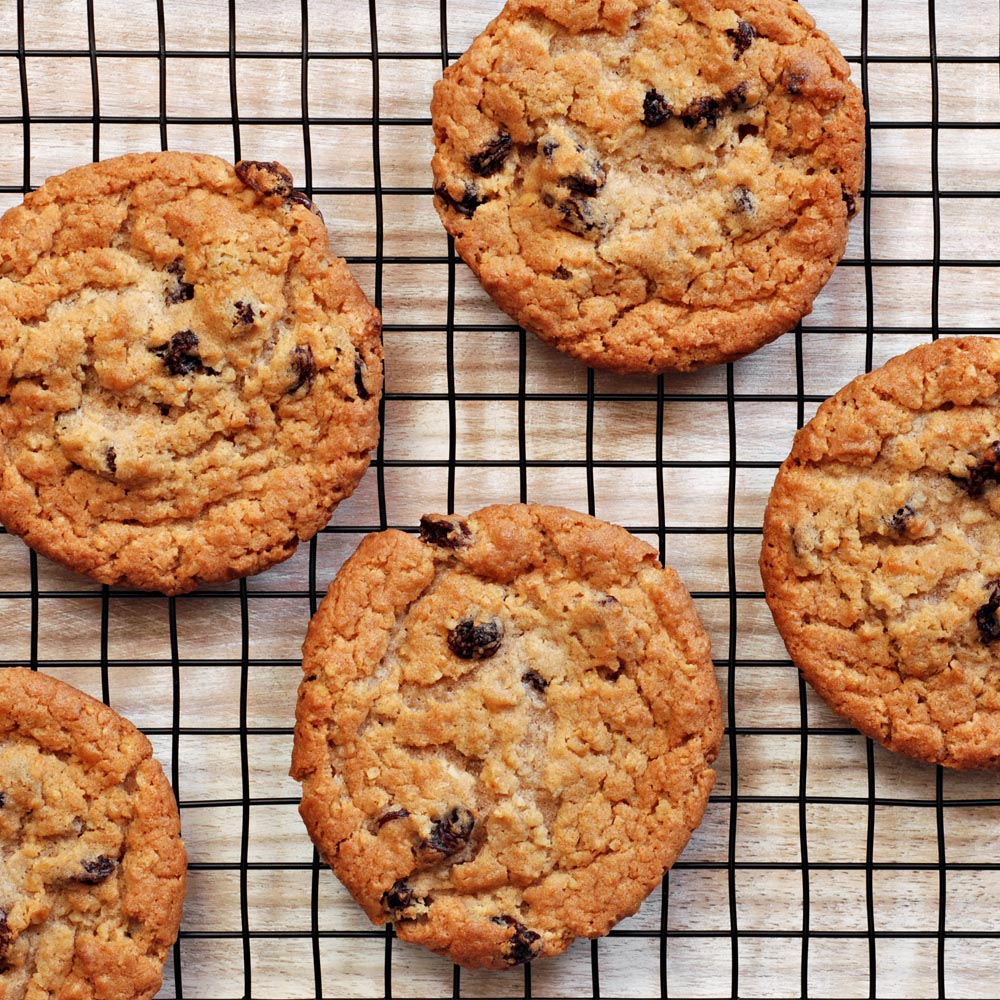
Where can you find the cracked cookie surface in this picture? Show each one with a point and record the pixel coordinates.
(94, 869)
(189, 379)
(505, 730)
(881, 553)
(650, 185)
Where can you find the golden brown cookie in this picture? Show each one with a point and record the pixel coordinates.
(94, 870)
(650, 184)
(189, 379)
(881, 554)
(505, 730)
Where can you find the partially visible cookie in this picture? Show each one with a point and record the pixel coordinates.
(94, 870)
(189, 379)
(505, 731)
(650, 184)
(881, 553)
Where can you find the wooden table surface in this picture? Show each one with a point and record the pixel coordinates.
(824, 865)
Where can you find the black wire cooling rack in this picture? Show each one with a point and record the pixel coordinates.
(825, 866)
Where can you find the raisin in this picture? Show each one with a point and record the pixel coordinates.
(3, 799)
(298, 198)
(536, 681)
(401, 898)
(359, 379)
(111, 459)
(742, 36)
(588, 185)
(97, 870)
(656, 109)
(562, 274)
(181, 356)
(183, 292)
(986, 616)
(525, 944)
(578, 216)
(736, 98)
(470, 641)
(450, 833)
(745, 130)
(745, 201)
(446, 532)
(5, 939)
(491, 158)
(702, 109)
(549, 147)
(244, 313)
(986, 471)
(796, 81)
(392, 814)
(589, 181)
(265, 177)
(304, 366)
(850, 202)
(467, 204)
(899, 520)
(164, 409)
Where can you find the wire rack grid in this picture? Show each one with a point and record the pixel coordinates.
(824, 866)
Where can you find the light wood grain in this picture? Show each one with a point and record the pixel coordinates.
(743, 870)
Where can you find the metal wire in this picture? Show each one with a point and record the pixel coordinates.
(44, 596)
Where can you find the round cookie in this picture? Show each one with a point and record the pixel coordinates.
(881, 553)
(94, 870)
(189, 379)
(505, 730)
(650, 184)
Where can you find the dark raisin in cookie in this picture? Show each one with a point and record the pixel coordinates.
(505, 730)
